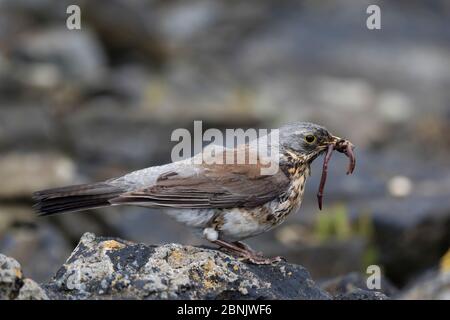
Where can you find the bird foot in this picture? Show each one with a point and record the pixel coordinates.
(243, 251)
(261, 260)
(246, 247)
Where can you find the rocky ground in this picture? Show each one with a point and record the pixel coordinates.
(79, 106)
(111, 268)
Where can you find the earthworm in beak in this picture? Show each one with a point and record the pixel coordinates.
(343, 146)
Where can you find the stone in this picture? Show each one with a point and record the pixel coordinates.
(40, 246)
(23, 173)
(18, 133)
(78, 56)
(432, 285)
(359, 294)
(111, 268)
(30, 290)
(354, 286)
(10, 277)
(14, 286)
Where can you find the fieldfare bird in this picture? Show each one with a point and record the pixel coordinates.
(225, 203)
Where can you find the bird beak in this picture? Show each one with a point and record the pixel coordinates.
(334, 140)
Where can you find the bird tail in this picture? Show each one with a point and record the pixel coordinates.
(74, 198)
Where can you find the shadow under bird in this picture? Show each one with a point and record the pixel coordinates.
(225, 203)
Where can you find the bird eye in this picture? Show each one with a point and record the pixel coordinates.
(310, 138)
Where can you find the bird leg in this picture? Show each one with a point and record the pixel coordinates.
(245, 246)
(243, 251)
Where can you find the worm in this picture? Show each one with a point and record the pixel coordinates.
(323, 179)
(349, 153)
(342, 146)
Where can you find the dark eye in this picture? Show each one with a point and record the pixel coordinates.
(310, 138)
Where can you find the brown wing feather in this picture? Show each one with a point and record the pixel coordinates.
(217, 186)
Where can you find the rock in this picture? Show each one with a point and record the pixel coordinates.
(23, 173)
(11, 215)
(359, 294)
(39, 244)
(30, 290)
(354, 286)
(433, 285)
(17, 132)
(107, 268)
(106, 133)
(126, 28)
(77, 55)
(10, 277)
(14, 286)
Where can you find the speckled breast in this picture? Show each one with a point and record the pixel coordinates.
(291, 200)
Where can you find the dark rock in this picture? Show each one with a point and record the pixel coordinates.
(76, 55)
(107, 268)
(40, 247)
(355, 285)
(126, 29)
(14, 286)
(359, 294)
(17, 132)
(434, 284)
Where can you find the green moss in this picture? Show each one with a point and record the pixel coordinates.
(335, 224)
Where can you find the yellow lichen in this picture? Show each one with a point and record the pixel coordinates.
(112, 245)
(208, 269)
(445, 262)
(195, 277)
(176, 255)
(209, 284)
(18, 273)
(209, 266)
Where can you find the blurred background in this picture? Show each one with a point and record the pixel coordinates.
(85, 105)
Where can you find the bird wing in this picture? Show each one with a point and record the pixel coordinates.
(211, 186)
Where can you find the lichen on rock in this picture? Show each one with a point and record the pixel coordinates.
(12, 284)
(106, 268)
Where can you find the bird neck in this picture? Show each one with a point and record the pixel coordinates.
(293, 164)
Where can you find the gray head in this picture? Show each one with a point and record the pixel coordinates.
(305, 139)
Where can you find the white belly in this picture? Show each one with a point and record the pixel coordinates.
(239, 224)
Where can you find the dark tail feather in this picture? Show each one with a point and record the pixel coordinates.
(74, 198)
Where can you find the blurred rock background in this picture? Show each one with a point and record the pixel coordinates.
(90, 104)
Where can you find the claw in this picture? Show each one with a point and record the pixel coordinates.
(242, 251)
(260, 260)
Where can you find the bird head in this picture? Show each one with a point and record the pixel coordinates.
(306, 140)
